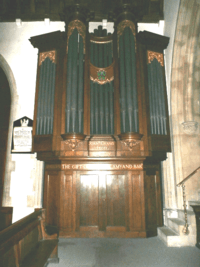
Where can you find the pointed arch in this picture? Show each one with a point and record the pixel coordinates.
(9, 104)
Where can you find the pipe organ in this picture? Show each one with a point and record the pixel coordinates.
(101, 126)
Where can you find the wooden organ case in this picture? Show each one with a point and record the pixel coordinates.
(101, 126)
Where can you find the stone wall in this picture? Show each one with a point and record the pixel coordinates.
(184, 88)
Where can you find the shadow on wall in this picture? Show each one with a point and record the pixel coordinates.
(5, 105)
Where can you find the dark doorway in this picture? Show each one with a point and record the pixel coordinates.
(5, 102)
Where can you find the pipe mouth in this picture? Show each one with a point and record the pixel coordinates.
(130, 136)
(73, 136)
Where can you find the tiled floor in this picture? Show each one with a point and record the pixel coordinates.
(114, 252)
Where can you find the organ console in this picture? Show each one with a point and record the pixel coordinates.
(101, 126)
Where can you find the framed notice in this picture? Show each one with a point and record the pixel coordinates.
(22, 135)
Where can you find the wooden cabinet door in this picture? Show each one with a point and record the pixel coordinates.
(101, 201)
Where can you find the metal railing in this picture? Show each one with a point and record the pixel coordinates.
(182, 183)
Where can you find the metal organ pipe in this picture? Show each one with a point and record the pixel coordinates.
(128, 77)
(128, 82)
(96, 88)
(101, 95)
(157, 100)
(39, 101)
(151, 106)
(75, 84)
(46, 97)
(74, 79)
(69, 82)
(134, 82)
(80, 86)
(52, 98)
(111, 90)
(122, 85)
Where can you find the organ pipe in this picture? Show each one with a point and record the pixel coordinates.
(75, 79)
(156, 97)
(128, 80)
(46, 97)
(101, 95)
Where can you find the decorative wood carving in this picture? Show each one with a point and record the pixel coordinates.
(159, 56)
(72, 143)
(73, 140)
(130, 143)
(50, 54)
(102, 75)
(81, 28)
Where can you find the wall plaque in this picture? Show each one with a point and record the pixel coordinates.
(22, 136)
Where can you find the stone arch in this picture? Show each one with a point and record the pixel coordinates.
(184, 130)
(6, 201)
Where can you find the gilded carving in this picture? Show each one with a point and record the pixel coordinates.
(130, 143)
(72, 143)
(120, 28)
(159, 56)
(50, 54)
(101, 75)
(81, 28)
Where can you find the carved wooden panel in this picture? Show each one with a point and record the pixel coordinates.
(136, 201)
(66, 201)
(150, 204)
(89, 187)
(115, 190)
(51, 197)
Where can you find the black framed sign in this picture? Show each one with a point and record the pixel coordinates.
(22, 135)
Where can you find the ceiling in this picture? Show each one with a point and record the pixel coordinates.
(37, 10)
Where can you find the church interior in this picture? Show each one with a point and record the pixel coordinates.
(99, 127)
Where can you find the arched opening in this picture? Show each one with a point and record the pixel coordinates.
(5, 104)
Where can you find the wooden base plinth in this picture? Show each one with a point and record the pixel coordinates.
(102, 234)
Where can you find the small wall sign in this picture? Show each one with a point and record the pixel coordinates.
(22, 135)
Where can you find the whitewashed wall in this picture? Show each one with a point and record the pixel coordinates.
(23, 178)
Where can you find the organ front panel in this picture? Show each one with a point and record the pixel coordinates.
(101, 125)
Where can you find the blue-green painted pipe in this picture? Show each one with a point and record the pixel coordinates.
(150, 99)
(74, 79)
(46, 94)
(52, 98)
(111, 90)
(163, 99)
(106, 88)
(161, 126)
(80, 86)
(157, 99)
(134, 81)
(92, 92)
(91, 107)
(128, 77)
(39, 99)
(43, 98)
(96, 91)
(122, 85)
(153, 98)
(49, 98)
(69, 84)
